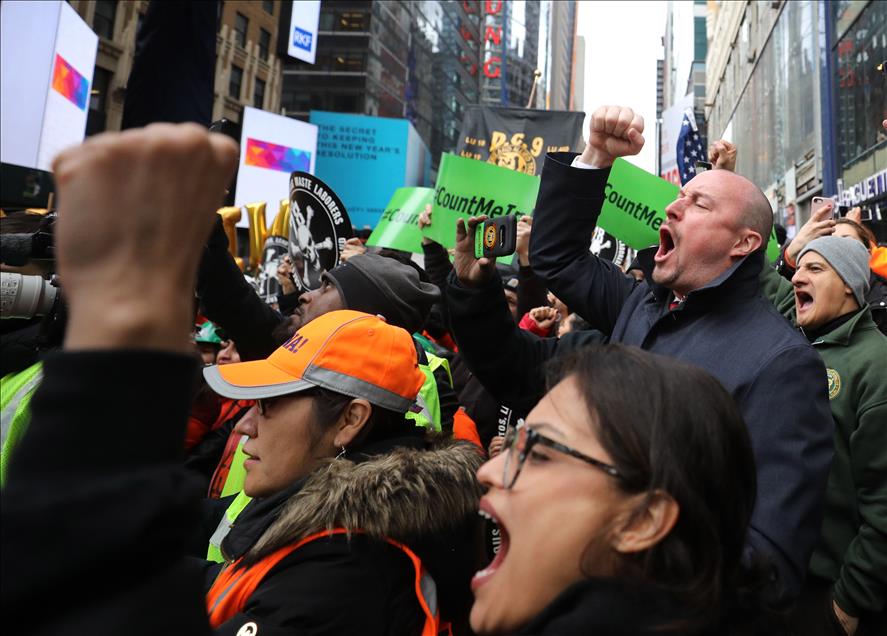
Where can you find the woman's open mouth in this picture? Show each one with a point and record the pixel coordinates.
(482, 576)
(666, 244)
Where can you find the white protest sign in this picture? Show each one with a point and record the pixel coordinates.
(271, 147)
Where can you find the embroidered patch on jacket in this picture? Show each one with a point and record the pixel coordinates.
(834, 383)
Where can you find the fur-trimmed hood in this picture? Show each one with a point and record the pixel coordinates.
(406, 495)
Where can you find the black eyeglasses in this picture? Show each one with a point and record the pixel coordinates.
(519, 441)
(263, 404)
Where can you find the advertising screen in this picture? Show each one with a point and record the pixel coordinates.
(271, 147)
(365, 159)
(48, 56)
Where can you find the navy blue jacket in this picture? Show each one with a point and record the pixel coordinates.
(728, 329)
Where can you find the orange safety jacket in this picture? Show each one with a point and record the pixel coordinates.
(878, 262)
(464, 428)
(233, 587)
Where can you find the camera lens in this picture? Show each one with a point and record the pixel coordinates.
(25, 296)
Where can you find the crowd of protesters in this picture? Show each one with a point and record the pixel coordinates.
(694, 446)
(700, 448)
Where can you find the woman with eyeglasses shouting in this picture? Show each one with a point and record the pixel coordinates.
(623, 503)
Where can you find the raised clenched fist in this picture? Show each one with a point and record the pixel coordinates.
(522, 244)
(615, 131)
(722, 155)
(135, 209)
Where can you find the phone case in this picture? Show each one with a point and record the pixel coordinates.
(496, 237)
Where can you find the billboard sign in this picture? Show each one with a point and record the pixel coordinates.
(302, 43)
(46, 66)
(365, 159)
(271, 147)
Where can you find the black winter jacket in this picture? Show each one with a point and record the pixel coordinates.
(728, 329)
(608, 607)
(377, 492)
(487, 335)
(90, 493)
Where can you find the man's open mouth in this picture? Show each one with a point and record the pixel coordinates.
(666, 244)
(803, 301)
(498, 529)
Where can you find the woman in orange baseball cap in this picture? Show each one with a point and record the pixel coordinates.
(350, 507)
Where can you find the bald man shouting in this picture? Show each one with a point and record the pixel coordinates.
(699, 303)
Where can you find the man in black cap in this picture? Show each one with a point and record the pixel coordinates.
(367, 282)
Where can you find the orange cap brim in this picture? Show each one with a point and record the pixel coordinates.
(253, 380)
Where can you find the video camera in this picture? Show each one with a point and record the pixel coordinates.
(19, 249)
(21, 295)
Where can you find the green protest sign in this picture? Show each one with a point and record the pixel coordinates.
(467, 187)
(634, 204)
(772, 246)
(634, 207)
(398, 227)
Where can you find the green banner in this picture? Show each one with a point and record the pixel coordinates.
(773, 246)
(634, 204)
(467, 187)
(398, 227)
(634, 207)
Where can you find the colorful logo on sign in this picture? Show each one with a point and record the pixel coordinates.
(264, 154)
(69, 83)
(302, 39)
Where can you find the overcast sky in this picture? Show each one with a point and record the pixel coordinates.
(623, 40)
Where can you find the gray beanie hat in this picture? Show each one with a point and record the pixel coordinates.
(848, 257)
(383, 286)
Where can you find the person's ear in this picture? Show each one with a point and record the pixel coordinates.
(648, 524)
(352, 422)
(749, 241)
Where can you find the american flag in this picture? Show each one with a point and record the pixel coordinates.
(690, 148)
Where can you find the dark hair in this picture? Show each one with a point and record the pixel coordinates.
(382, 423)
(671, 426)
(866, 236)
(781, 233)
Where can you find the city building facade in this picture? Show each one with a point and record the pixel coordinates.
(416, 60)
(248, 68)
(510, 51)
(427, 60)
(855, 146)
(562, 55)
(421, 60)
(680, 80)
(578, 88)
(685, 48)
(765, 78)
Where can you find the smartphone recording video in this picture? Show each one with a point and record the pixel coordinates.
(496, 237)
(817, 203)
